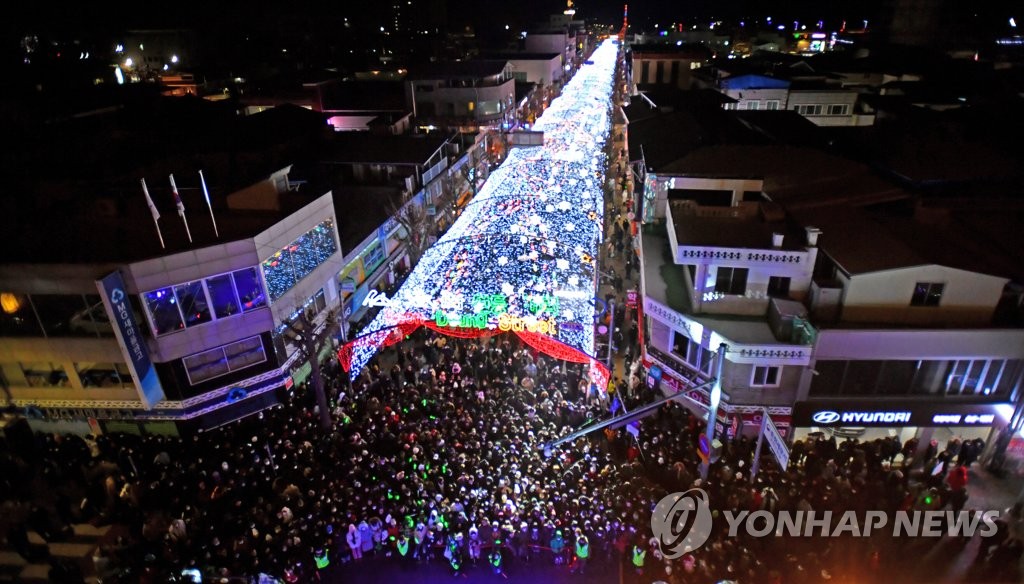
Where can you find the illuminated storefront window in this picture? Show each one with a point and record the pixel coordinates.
(294, 262)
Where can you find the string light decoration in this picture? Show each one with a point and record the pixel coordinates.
(530, 235)
(294, 262)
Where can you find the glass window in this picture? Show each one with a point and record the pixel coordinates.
(778, 287)
(249, 289)
(17, 319)
(765, 377)
(988, 384)
(931, 377)
(206, 365)
(63, 315)
(862, 377)
(216, 362)
(1008, 377)
(927, 294)
(828, 378)
(896, 377)
(100, 375)
(192, 301)
(99, 318)
(296, 261)
(45, 374)
(163, 307)
(222, 296)
(731, 281)
(245, 353)
(973, 381)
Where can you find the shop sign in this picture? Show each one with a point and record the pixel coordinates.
(895, 413)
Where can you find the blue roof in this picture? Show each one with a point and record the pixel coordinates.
(753, 82)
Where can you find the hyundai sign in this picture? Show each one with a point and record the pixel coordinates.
(130, 339)
(894, 413)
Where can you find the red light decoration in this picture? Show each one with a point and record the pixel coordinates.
(538, 341)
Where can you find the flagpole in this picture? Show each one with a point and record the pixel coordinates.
(206, 194)
(181, 208)
(153, 211)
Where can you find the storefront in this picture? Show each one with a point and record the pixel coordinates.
(868, 420)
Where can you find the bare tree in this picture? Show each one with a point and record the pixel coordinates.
(417, 225)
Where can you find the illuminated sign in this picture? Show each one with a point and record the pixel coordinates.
(129, 338)
(827, 417)
(895, 413)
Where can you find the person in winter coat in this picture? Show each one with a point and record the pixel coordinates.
(355, 542)
(365, 537)
(474, 544)
(558, 547)
(957, 481)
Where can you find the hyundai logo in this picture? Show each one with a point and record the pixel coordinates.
(826, 417)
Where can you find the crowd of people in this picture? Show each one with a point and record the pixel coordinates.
(441, 459)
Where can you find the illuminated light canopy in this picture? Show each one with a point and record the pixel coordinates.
(530, 236)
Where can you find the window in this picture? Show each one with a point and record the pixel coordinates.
(778, 287)
(17, 318)
(45, 374)
(291, 264)
(753, 104)
(223, 360)
(192, 302)
(94, 375)
(809, 109)
(222, 296)
(731, 281)
(838, 109)
(59, 312)
(771, 104)
(249, 289)
(927, 294)
(765, 377)
(163, 307)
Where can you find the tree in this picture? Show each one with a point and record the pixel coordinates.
(309, 344)
(417, 225)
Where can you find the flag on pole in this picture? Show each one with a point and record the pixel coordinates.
(181, 208)
(153, 210)
(209, 206)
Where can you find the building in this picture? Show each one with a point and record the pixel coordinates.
(792, 86)
(913, 319)
(464, 95)
(664, 64)
(142, 338)
(837, 317)
(544, 69)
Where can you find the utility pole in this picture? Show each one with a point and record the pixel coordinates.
(716, 397)
(309, 342)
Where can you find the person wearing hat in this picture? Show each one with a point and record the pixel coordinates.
(474, 544)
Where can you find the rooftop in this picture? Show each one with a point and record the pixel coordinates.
(795, 177)
(361, 147)
(80, 196)
(860, 242)
(475, 69)
(669, 284)
(745, 230)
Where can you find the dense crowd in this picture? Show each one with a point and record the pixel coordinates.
(441, 458)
